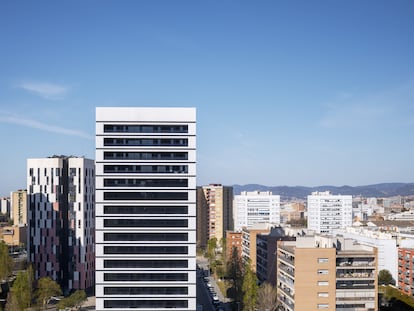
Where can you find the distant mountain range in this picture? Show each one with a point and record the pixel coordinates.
(300, 192)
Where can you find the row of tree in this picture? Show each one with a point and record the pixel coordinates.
(26, 292)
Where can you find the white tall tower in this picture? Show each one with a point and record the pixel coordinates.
(327, 212)
(256, 207)
(145, 208)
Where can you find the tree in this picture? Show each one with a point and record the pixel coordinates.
(235, 273)
(267, 297)
(22, 289)
(249, 288)
(385, 277)
(47, 288)
(211, 249)
(74, 300)
(6, 262)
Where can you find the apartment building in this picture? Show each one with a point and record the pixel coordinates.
(214, 212)
(256, 207)
(266, 253)
(249, 239)
(19, 207)
(61, 212)
(405, 270)
(327, 212)
(317, 272)
(5, 207)
(233, 241)
(146, 208)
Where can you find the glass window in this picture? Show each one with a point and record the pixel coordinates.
(146, 223)
(177, 142)
(144, 277)
(115, 209)
(154, 156)
(143, 236)
(145, 290)
(148, 249)
(322, 260)
(144, 182)
(146, 196)
(323, 283)
(148, 263)
(144, 304)
(322, 271)
(128, 128)
(323, 294)
(146, 169)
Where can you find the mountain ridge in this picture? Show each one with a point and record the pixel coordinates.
(300, 192)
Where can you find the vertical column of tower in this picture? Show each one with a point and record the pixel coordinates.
(145, 208)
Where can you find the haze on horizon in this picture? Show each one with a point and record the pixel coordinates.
(305, 93)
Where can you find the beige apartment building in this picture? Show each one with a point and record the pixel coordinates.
(326, 273)
(214, 212)
(19, 207)
(249, 243)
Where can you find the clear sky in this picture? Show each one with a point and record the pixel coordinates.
(287, 92)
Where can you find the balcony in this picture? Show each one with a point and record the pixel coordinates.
(287, 291)
(287, 270)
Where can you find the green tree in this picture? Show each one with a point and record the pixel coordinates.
(267, 297)
(385, 277)
(211, 249)
(249, 288)
(47, 288)
(6, 262)
(74, 300)
(22, 289)
(235, 274)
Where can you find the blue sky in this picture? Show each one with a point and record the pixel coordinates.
(287, 92)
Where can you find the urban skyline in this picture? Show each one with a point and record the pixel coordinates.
(286, 94)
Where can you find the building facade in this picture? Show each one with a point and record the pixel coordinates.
(405, 270)
(5, 207)
(214, 212)
(19, 207)
(319, 272)
(256, 207)
(146, 208)
(61, 226)
(249, 243)
(327, 212)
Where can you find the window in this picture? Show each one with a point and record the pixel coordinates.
(146, 169)
(130, 182)
(146, 223)
(156, 236)
(145, 196)
(322, 271)
(323, 283)
(177, 142)
(323, 294)
(147, 128)
(323, 306)
(322, 260)
(144, 277)
(114, 209)
(146, 250)
(146, 290)
(149, 263)
(154, 156)
(144, 304)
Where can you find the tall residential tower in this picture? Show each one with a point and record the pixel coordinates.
(61, 212)
(146, 208)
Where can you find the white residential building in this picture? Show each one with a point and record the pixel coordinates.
(327, 211)
(146, 208)
(61, 213)
(5, 206)
(255, 207)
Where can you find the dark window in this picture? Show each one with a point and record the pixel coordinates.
(179, 142)
(124, 128)
(145, 249)
(145, 155)
(113, 209)
(163, 196)
(149, 263)
(132, 182)
(141, 304)
(146, 169)
(145, 290)
(155, 236)
(143, 277)
(146, 223)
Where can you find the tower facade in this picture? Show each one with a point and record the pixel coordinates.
(327, 212)
(146, 208)
(61, 210)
